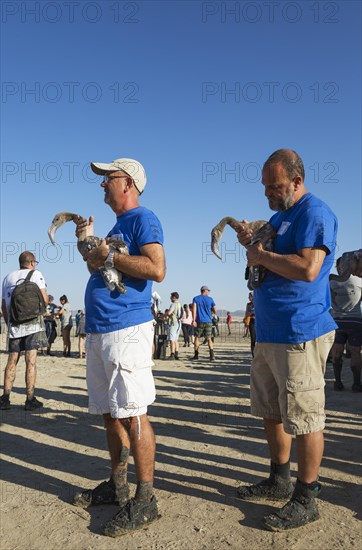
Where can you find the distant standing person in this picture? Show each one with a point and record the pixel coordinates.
(66, 324)
(27, 337)
(50, 324)
(203, 306)
(81, 334)
(250, 315)
(77, 317)
(186, 324)
(346, 311)
(192, 328)
(229, 320)
(174, 314)
(215, 325)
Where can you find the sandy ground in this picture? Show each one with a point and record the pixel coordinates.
(207, 444)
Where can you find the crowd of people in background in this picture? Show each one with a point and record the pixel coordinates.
(58, 320)
(177, 323)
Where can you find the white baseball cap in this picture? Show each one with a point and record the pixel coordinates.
(132, 167)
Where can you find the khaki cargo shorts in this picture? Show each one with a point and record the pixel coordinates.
(287, 383)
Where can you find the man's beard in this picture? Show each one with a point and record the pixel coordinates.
(283, 204)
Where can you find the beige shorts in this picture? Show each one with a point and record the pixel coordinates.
(287, 383)
(119, 371)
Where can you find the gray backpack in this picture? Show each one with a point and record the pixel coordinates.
(27, 301)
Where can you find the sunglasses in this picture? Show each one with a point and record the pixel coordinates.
(107, 179)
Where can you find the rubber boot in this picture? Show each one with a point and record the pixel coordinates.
(337, 368)
(277, 487)
(300, 510)
(356, 386)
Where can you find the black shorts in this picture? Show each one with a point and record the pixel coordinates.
(349, 331)
(27, 343)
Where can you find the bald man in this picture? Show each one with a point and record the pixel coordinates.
(294, 333)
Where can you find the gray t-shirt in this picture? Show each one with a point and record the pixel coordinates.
(66, 320)
(175, 313)
(346, 298)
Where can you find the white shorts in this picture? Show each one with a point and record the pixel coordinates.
(174, 331)
(119, 371)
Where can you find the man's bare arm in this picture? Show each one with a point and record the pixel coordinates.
(194, 313)
(303, 266)
(150, 265)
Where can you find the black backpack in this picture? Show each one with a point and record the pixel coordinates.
(27, 301)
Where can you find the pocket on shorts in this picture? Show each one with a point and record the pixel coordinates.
(129, 364)
(299, 347)
(305, 395)
(131, 389)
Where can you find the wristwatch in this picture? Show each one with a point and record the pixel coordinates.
(109, 263)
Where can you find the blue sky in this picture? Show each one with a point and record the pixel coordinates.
(199, 92)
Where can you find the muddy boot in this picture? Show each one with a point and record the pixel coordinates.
(212, 355)
(356, 386)
(277, 487)
(5, 402)
(337, 368)
(104, 493)
(300, 510)
(136, 514)
(121, 488)
(196, 356)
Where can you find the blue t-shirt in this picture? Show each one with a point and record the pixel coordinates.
(108, 311)
(289, 311)
(203, 310)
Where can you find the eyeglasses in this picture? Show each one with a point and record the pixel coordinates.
(34, 262)
(107, 179)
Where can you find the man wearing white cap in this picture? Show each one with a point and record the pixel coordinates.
(119, 345)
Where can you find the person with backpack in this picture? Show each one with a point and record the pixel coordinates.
(174, 315)
(23, 305)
